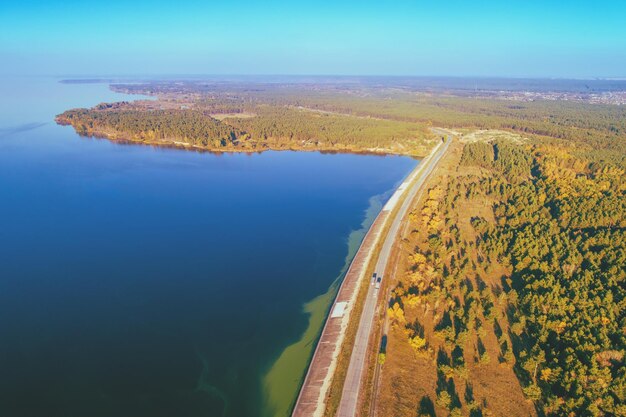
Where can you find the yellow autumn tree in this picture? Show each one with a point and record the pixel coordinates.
(417, 343)
(396, 313)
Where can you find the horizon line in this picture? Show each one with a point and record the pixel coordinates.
(318, 75)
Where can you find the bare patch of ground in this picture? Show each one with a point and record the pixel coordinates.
(223, 116)
(492, 135)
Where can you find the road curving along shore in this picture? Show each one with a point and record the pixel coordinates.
(311, 401)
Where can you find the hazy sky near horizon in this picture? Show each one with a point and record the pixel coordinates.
(531, 38)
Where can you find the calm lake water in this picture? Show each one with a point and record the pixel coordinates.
(146, 282)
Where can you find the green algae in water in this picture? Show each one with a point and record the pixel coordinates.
(206, 387)
(282, 383)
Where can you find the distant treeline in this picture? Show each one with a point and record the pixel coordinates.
(598, 129)
(271, 128)
(188, 126)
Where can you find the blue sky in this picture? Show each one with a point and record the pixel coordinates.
(488, 38)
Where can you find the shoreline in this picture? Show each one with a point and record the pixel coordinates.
(318, 309)
(319, 377)
(169, 144)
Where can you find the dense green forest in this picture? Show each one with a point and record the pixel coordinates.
(189, 126)
(288, 124)
(270, 127)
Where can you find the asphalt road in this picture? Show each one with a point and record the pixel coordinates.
(348, 405)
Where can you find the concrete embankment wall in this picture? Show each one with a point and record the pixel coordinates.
(314, 391)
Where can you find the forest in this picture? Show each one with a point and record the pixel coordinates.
(189, 126)
(349, 117)
(599, 129)
(270, 127)
(513, 290)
